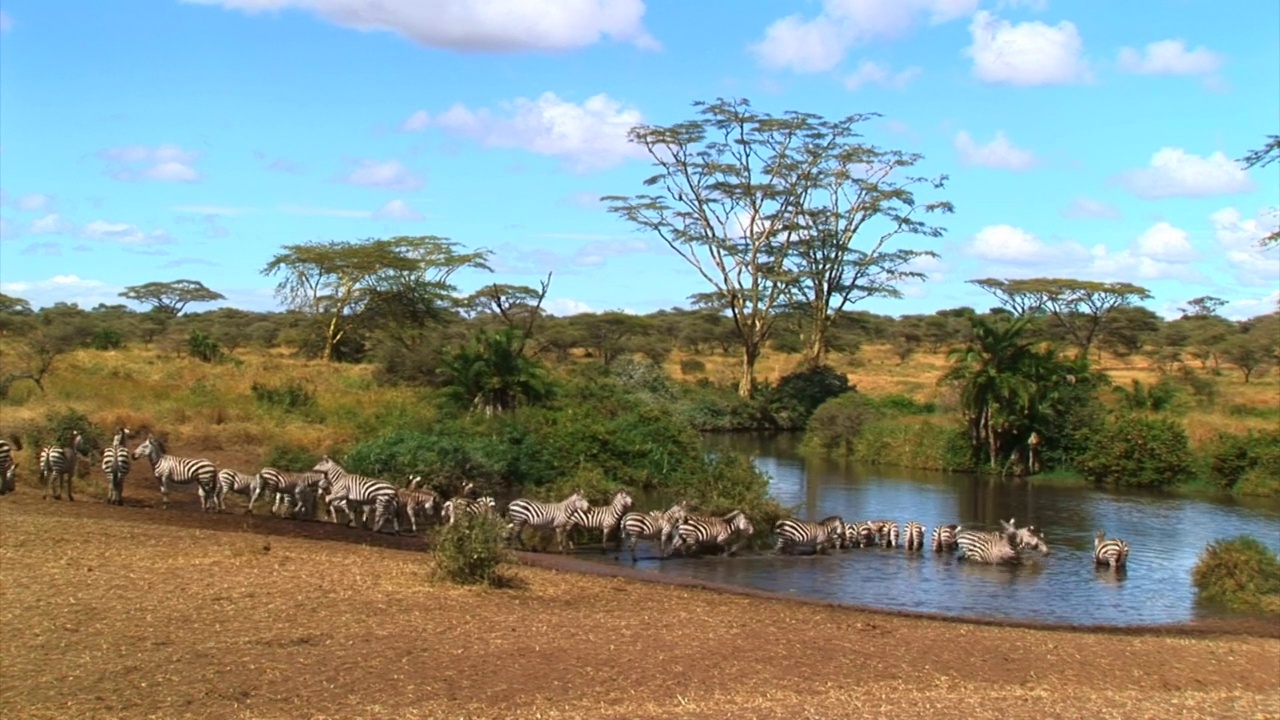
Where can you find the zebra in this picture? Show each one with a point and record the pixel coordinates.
(460, 507)
(604, 518)
(654, 525)
(1113, 553)
(116, 464)
(341, 488)
(913, 533)
(702, 530)
(1025, 538)
(943, 538)
(861, 534)
(180, 471)
(794, 533)
(991, 548)
(836, 526)
(282, 485)
(58, 466)
(236, 482)
(889, 534)
(416, 500)
(532, 513)
(8, 466)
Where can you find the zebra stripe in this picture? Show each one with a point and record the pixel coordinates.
(460, 507)
(697, 530)
(8, 466)
(415, 501)
(58, 467)
(233, 481)
(654, 525)
(604, 518)
(913, 534)
(889, 534)
(1113, 553)
(342, 489)
(531, 513)
(116, 465)
(793, 534)
(991, 548)
(944, 538)
(1025, 538)
(180, 471)
(836, 526)
(284, 486)
(862, 534)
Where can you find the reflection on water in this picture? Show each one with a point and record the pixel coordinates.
(1166, 535)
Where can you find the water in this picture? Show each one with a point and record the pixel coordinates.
(1165, 534)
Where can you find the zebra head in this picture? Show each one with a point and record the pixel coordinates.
(122, 434)
(326, 466)
(622, 501)
(738, 521)
(577, 502)
(150, 448)
(1025, 538)
(1098, 538)
(677, 513)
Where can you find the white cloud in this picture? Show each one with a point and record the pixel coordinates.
(1026, 54)
(1163, 251)
(560, 307)
(999, 153)
(125, 234)
(323, 211)
(62, 288)
(1246, 308)
(1082, 208)
(1014, 246)
(1174, 172)
(397, 210)
(820, 43)
(1169, 57)
(1032, 5)
(415, 122)
(1130, 264)
(166, 163)
(389, 175)
(478, 25)
(6, 22)
(586, 137)
(1165, 243)
(873, 73)
(1238, 237)
(595, 254)
(49, 224)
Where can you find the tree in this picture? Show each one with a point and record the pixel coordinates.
(737, 194)
(171, 298)
(52, 333)
(1080, 307)
(336, 282)
(518, 306)
(489, 374)
(1248, 353)
(1203, 306)
(1262, 157)
(1129, 329)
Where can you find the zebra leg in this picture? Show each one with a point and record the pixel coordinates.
(633, 547)
(69, 477)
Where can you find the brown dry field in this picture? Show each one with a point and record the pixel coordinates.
(138, 612)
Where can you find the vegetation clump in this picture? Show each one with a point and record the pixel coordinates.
(472, 550)
(1240, 574)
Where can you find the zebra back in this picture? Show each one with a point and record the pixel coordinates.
(542, 514)
(793, 533)
(235, 481)
(604, 516)
(338, 484)
(944, 538)
(1113, 552)
(991, 548)
(913, 533)
(8, 468)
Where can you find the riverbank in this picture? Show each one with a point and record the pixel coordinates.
(137, 612)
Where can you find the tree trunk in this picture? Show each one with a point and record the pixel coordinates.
(747, 383)
(816, 352)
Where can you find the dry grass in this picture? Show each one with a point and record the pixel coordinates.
(134, 613)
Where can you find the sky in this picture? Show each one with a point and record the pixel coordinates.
(152, 140)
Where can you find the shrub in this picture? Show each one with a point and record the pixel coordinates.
(57, 428)
(1162, 396)
(291, 396)
(203, 348)
(1232, 456)
(1241, 574)
(291, 458)
(796, 396)
(106, 339)
(692, 366)
(899, 404)
(838, 423)
(1136, 451)
(915, 442)
(471, 551)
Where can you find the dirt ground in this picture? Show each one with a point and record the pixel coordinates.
(138, 612)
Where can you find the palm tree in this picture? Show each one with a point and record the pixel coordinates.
(492, 375)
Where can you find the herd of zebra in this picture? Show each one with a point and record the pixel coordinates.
(673, 529)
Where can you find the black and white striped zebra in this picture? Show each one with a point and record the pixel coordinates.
(416, 501)
(913, 536)
(793, 534)
(281, 487)
(943, 538)
(837, 527)
(233, 481)
(532, 513)
(9, 466)
(701, 530)
(654, 525)
(604, 518)
(170, 469)
(1113, 553)
(340, 488)
(461, 507)
(58, 466)
(116, 465)
(999, 548)
(1026, 538)
(889, 534)
(862, 534)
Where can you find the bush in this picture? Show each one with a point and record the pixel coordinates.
(1164, 395)
(915, 442)
(471, 551)
(58, 427)
(290, 458)
(292, 396)
(106, 339)
(796, 396)
(692, 366)
(203, 348)
(1231, 457)
(1136, 451)
(838, 423)
(1241, 574)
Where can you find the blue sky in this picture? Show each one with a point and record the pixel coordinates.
(150, 140)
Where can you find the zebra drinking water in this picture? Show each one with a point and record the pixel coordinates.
(1113, 553)
(180, 471)
(913, 533)
(697, 530)
(793, 534)
(58, 466)
(116, 464)
(654, 525)
(342, 489)
(998, 548)
(943, 538)
(604, 518)
(837, 527)
(532, 513)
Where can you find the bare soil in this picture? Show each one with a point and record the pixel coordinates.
(138, 612)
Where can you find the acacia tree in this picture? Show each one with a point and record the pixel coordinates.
(1262, 157)
(171, 298)
(338, 282)
(518, 306)
(1081, 307)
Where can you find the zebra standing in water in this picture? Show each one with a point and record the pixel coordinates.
(699, 530)
(180, 471)
(532, 513)
(837, 527)
(1113, 553)
(943, 538)
(997, 548)
(889, 533)
(604, 518)
(283, 486)
(793, 533)
(233, 481)
(115, 464)
(654, 525)
(914, 534)
(460, 507)
(58, 466)
(8, 466)
(341, 488)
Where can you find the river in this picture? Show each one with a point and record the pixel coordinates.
(1166, 534)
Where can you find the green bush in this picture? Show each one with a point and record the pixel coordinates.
(57, 428)
(692, 366)
(1240, 574)
(106, 339)
(1231, 457)
(711, 409)
(1162, 396)
(899, 404)
(1132, 450)
(838, 423)
(291, 396)
(915, 442)
(796, 396)
(203, 348)
(472, 551)
(291, 458)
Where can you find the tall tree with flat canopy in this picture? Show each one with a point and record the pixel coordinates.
(739, 194)
(1260, 158)
(338, 281)
(1081, 307)
(171, 298)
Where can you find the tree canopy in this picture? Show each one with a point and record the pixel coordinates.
(1080, 307)
(171, 298)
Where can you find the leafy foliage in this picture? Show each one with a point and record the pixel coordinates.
(171, 298)
(1231, 457)
(472, 551)
(1133, 450)
(796, 396)
(203, 348)
(289, 396)
(1241, 574)
(490, 374)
